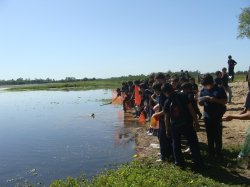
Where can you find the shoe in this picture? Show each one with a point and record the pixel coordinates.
(160, 160)
(187, 150)
(150, 134)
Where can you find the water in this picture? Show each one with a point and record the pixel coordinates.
(47, 135)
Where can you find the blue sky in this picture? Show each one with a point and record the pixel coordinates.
(106, 38)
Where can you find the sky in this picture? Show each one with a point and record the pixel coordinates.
(110, 38)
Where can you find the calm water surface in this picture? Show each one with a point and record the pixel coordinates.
(47, 135)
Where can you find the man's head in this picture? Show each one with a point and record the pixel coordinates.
(187, 87)
(160, 77)
(224, 70)
(167, 89)
(174, 82)
(192, 80)
(157, 88)
(208, 81)
(218, 74)
(229, 57)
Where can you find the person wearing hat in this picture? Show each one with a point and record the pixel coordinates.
(231, 64)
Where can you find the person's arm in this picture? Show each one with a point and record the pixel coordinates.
(243, 116)
(216, 100)
(158, 114)
(167, 124)
(201, 102)
(194, 116)
(153, 96)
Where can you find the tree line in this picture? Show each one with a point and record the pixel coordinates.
(21, 81)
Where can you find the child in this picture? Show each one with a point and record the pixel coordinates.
(225, 81)
(218, 80)
(214, 99)
(179, 121)
(165, 141)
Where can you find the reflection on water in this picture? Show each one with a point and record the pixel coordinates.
(47, 135)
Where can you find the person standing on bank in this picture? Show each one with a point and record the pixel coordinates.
(231, 64)
(214, 100)
(180, 116)
(225, 84)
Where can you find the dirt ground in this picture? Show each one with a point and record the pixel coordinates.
(233, 135)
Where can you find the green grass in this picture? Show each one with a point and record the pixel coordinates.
(82, 85)
(148, 173)
(240, 77)
(144, 174)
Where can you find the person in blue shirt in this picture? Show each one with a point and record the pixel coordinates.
(214, 100)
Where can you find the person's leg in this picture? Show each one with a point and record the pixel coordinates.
(176, 139)
(230, 73)
(248, 85)
(165, 142)
(209, 123)
(218, 137)
(124, 103)
(192, 139)
(229, 90)
(197, 110)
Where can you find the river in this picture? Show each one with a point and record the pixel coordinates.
(48, 135)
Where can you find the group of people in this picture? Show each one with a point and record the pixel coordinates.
(172, 102)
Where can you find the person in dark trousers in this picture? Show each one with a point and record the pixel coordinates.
(225, 84)
(164, 140)
(214, 100)
(179, 121)
(231, 64)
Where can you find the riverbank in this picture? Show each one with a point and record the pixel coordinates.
(234, 133)
(144, 171)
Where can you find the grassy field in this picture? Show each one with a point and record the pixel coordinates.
(83, 85)
(88, 85)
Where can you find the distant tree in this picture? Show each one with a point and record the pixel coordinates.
(70, 79)
(244, 23)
